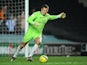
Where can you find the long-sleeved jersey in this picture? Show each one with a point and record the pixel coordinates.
(41, 19)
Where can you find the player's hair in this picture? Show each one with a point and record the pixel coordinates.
(45, 5)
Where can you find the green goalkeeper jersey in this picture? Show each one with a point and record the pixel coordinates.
(41, 19)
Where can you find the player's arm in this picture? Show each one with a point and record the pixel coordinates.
(32, 18)
(61, 15)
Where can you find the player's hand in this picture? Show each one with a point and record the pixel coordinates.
(62, 15)
(36, 24)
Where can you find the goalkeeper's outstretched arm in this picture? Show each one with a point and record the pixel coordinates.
(61, 15)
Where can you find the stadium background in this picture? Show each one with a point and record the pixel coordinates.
(74, 26)
(71, 30)
(64, 40)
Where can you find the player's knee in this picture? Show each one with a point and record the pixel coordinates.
(38, 43)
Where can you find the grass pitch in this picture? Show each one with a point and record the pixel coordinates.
(53, 60)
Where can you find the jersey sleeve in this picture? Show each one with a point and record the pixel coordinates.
(31, 18)
(52, 17)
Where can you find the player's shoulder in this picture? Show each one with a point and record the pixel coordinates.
(37, 12)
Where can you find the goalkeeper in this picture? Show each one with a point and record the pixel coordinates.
(37, 22)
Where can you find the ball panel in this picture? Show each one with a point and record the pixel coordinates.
(43, 58)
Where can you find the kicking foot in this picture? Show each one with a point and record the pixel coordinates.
(12, 59)
(29, 59)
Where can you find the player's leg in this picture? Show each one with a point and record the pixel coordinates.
(26, 50)
(22, 45)
(26, 38)
(18, 50)
(35, 47)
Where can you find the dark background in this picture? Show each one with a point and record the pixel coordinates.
(74, 27)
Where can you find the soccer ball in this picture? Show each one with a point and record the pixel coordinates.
(43, 58)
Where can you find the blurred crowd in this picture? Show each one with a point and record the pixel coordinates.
(10, 23)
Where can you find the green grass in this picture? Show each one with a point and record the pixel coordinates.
(53, 60)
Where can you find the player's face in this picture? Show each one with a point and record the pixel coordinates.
(44, 10)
